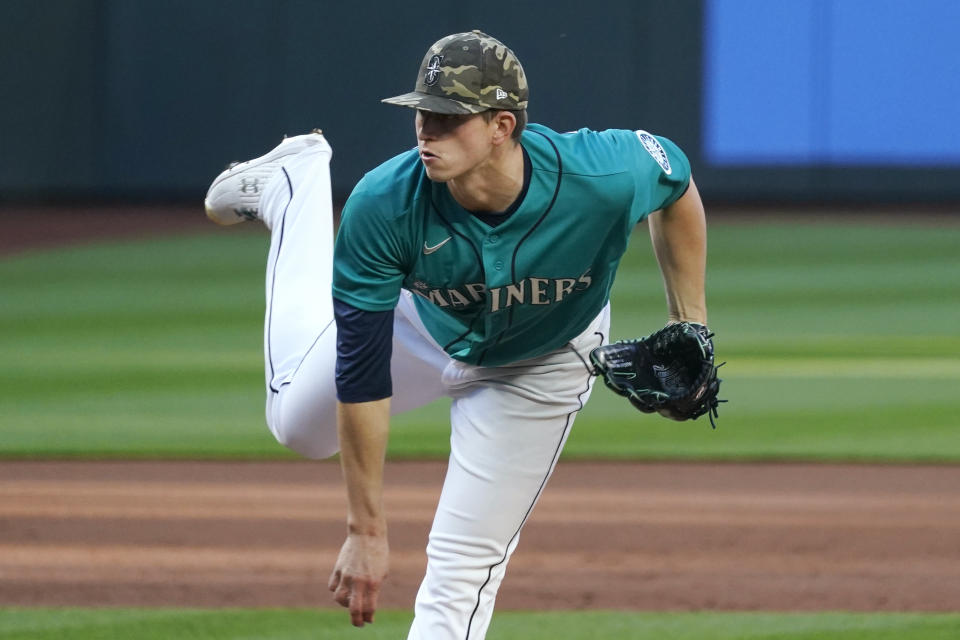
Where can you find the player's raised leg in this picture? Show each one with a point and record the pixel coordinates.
(299, 335)
(509, 425)
(289, 190)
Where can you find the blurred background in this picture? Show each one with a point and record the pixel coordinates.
(823, 135)
(786, 101)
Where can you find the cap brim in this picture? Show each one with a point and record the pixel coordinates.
(435, 104)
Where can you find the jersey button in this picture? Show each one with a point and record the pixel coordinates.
(493, 239)
(498, 265)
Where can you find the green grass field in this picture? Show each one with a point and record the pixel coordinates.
(840, 339)
(297, 624)
(840, 342)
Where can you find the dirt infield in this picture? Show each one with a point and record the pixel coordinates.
(617, 535)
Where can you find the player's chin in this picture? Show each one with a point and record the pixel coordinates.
(436, 174)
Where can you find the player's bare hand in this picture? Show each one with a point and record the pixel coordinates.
(359, 574)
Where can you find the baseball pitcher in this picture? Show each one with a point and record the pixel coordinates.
(477, 266)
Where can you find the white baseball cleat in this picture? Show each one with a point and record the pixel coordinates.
(234, 195)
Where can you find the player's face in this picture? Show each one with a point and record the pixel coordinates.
(452, 145)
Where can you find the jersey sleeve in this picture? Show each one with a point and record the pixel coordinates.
(364, 346)
(661, 171)
(368, 257)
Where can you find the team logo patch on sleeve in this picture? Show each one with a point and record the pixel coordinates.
(655, 149)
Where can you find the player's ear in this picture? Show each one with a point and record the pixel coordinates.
(505, 122)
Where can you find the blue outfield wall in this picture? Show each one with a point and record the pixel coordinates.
(149, 99)
(832, 82)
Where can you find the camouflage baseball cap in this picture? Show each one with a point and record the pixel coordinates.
(467, 73)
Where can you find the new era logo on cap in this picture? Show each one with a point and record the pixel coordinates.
(501, 94)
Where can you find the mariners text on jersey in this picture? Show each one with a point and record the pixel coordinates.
(529, 291)
(497, 294)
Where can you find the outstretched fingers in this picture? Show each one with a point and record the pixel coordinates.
(363, 601)
(358, 595)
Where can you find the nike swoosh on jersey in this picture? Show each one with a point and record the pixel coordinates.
(427, 250)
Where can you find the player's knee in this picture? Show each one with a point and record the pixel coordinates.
(311, 436)
(457, 552)
(313, 444)
(460, 569)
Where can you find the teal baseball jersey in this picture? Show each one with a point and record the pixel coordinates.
(492, 295)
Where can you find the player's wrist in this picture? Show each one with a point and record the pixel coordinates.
(372, 527)
(691, 318)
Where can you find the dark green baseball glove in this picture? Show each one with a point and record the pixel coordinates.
(670, 372)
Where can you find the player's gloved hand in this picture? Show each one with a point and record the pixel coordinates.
(670, 372)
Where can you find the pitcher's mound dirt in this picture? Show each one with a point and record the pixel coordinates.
(620, 536)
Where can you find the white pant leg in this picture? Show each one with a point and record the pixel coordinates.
(300, 338)
(299, 335)
(509, 425)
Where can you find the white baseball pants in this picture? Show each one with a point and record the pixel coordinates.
(508, 424)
